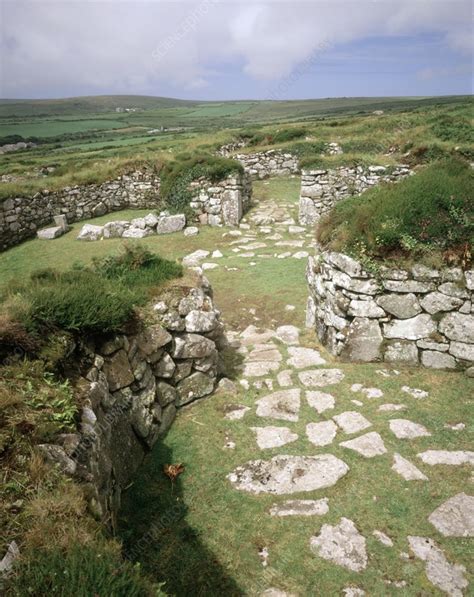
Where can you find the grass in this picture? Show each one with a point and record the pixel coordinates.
(428, 215)
(217, 533)
(101, 298)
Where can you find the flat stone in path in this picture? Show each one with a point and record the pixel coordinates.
(272, 592)
(455, 517)
(341, 544)
(453, 458)
(443, 575)
(321, 434)
(301, 508)
(288, 334)
(405, 429)
(320, 401)
(383, 538)
(352, 421)
(284, 405)
(273, 437)
(321, 377)
(406, 469)
(284, 378)
(260, 368)
(285, 474)
(415, 392)
(301, 358)
(390, 407)
(368, 445)
(235, 412)
(252, 335)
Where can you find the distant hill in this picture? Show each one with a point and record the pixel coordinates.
(94, 104)
(248, 110)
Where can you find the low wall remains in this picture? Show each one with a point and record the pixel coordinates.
(416, 316)
(268, 163)
(132, 386)
(322, 189)
(221, 203)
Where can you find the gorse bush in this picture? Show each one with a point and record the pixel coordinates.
(100, 299)
(430, 212)
(177, 175)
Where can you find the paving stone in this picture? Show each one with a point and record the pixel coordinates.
(284, 378)
(415, 392)
(284, 404)
(341, 544)
(353, 592)
(235, 412)
(301, 358)
(252, 335)
(368, 445)
(272, 592)
(448, 457)
(288, 334)
(455, 517)
(389, 407)
(321, 377)
(273, 437)
(320, 401)
(383, 538)
(301, 508)
(447, 577)
(260, 368)
(352, 421)
(369, 392)
(406, 469)
(405, 429)
(321, 434)
(285, 474)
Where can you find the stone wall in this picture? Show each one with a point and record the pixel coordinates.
(131, 387)
(21, 217)
(418, 316)
(321, 189)
(223, 202)
(216, 203)
(268, 163)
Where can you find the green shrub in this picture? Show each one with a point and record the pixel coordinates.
(98, 299)
(285, 135)
(177, 175)
(451, 128)
(81, 571)
(432, 211)
(137, 267)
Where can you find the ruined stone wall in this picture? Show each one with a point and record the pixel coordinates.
(322, 189)
(133, 384)
(268, 163)
(223, 202)
(218, 203)
(416, 316)
(21, 217)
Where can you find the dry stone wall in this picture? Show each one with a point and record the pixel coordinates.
(224, 202)
(133, 384)
(322, 189)
(268, 163)
(21, 217)
(419, 316)
(216, 203)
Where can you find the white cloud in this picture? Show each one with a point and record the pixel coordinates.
(134, 46)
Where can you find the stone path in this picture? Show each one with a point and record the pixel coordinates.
(292, 378)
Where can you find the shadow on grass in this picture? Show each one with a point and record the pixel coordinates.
(154, 531)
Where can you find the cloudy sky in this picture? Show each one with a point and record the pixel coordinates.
(235, 49)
